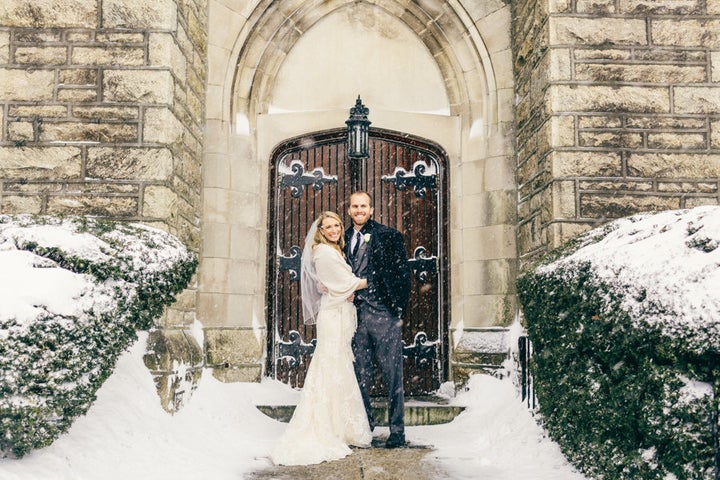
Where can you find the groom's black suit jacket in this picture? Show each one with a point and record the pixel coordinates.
(388, 272)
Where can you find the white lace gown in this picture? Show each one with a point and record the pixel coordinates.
(330, 415)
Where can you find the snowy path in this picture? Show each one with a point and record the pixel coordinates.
(496, 438)
(221, 435)
(366, 464)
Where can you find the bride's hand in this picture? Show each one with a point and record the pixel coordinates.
(351, 298)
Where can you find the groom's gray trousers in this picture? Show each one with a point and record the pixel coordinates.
(380, 332)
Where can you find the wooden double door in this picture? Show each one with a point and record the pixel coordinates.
(407, 178)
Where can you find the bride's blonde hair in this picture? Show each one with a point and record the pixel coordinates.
(320, 238)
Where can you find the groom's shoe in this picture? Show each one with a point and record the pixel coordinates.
(395, 440)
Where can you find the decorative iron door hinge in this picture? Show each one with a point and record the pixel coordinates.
(423, 178)
(294, 176)
(423, 352)
(292, 263)
(295, 349)
(422, 265)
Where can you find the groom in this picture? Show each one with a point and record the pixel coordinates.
(377, 252)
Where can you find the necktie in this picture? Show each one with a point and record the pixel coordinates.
(358, 239)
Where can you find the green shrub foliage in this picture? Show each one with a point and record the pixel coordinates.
(623, 398)
(53, 366)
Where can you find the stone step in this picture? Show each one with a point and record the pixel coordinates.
(416, 413)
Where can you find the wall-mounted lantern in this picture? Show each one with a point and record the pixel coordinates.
(357, 126)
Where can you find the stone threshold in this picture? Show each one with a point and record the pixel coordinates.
(418, 411)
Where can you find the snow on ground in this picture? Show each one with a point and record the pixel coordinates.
(495, 438)
(220, 435)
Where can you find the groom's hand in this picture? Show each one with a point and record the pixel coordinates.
(321, 287)
(351, 298)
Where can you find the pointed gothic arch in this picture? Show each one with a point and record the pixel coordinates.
(444, 28)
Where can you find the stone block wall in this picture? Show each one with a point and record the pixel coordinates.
(101, 109)
(618, 112)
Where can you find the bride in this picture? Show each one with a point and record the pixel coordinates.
(330, 415)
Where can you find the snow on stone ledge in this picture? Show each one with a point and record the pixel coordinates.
(484, 340)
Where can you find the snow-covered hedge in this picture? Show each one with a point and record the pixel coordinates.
(625, 323)
(73, 293)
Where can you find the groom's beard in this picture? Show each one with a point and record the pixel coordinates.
(364, 219)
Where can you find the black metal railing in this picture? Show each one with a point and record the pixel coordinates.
(526, 380)
(714, 428)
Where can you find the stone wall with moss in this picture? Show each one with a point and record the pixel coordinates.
(101, 109)
(618, 111)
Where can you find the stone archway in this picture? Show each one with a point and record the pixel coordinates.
(242, 131)
(444, 28)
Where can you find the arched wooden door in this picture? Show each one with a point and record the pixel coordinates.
(407, 178)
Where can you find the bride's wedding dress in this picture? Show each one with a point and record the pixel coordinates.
(330, 415)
